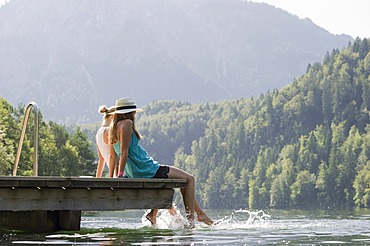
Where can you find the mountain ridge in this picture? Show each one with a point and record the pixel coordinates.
(69, 55)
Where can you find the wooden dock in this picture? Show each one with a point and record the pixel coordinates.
(43, 204)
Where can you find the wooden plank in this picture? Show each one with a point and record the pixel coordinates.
(9, 183)
(92, 199)
(68, 182)
(53, 203)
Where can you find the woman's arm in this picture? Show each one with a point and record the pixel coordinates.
(99, 169)
(112, 159)
(124, 134)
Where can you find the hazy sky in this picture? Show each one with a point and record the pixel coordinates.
(336, 16)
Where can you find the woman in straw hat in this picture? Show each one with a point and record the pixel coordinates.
(136, 163)
(102, 143)
(103, 149)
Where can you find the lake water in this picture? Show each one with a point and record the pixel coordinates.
(236, 227)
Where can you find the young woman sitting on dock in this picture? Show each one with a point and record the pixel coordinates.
(103, 145)
(103, 149)
(135, 161)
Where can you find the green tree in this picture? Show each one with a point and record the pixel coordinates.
(48, 153)
(347, 167)
(362, 187)
(69, 160)
(279, 193)
(7, 138)
(242, 189)
(86, 159)
(6, 153)
(324, 184)
(210, 196)
(228, 189)
(303, 193)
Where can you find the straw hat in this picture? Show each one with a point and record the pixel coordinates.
(126, 105)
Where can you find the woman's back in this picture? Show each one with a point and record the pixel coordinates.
(139, 164)
(103, 146)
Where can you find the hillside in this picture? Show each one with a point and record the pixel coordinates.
(72, 56)
(304, 146)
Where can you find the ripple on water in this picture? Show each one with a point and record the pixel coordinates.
(234, 228)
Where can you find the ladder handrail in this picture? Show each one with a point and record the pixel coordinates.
(35, 140)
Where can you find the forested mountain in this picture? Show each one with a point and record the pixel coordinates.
(304, 146)
(72, 56)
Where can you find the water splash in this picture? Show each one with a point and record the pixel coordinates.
(236, 220)
(165, 220)
(244, 219)
(255, 216)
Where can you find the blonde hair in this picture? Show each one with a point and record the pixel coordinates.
(104, 110)
(113, 135)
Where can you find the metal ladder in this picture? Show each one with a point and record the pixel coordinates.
(35, 139)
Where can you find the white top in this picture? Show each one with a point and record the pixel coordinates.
(103, 147)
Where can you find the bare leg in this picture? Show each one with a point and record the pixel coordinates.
(172, 210)
(111, 165)
(115, 174)
(152, 216)
(99, 168)
(202, 216)
(188, 196)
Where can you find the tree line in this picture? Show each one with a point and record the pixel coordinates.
(303, 146)
(62, 152)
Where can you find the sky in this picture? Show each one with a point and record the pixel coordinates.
(350, 17)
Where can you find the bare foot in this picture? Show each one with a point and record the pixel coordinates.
(172, 211)
(205, 219)
(152, 216)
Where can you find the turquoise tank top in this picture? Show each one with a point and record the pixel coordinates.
(139, 164)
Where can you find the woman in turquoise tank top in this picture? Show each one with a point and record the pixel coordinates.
(136, 163)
